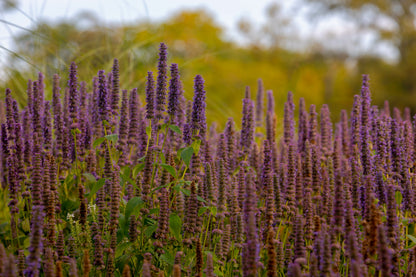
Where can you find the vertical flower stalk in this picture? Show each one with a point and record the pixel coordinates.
(291, 179)
(73, 95)
(198, 117)
(250, 253)
(37, 180)
(57, 116)
(162, 67)
(103, 106)
(209, 270)
(299, 247)
(162, 231)
(115, 90)
(259, 103)
(47, 127)
(191, 212)
(37, 112)
(174, 93)
(133, 135)
(384, 254)
(365, 127)
(345, 134)
(98, 261)
(326, 130)
(33, 261)
(5, 152)
(302, 126)
(267, 185)
(338, 206)
(230, 145)
(13, 194)
(150, 96)
(288, 122)
(247, 128)
(272, 269)
(313, 135)
(123, 130)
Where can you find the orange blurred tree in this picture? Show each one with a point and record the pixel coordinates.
(390, 22)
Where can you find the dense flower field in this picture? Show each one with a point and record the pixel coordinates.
(99, 182)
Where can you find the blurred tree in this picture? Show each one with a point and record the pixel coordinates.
(277, 32)
(392, 23)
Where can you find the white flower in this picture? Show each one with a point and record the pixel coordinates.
(92, 208)
(70, 217)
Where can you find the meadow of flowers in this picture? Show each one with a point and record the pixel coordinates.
(100, 181)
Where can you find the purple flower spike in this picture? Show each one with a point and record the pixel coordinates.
(73, 95)
(365, 126)
(251, 246)
(134, 117)
(162, 67)
(198, 109)
(35, 249)
(115, 88)
(103, 107)
(247, 128)
(302, 126)
(174, 91)
(150, 96)
(326, 130)
(259, 103)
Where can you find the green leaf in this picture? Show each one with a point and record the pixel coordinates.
(162, 157)
(150, 230)
(126, 178)
(133, 206)
(410, 246)
(186, 155)
(196, 145)
(26, 243)
(26, 225)
(202, 210)
(148, 131)
(97, 185)
(187, 192)
(137, 169)
(200, 199)
(412, 238)
(154, 211)
(176, 129)
(121, 247)
(113, 138)
(126, 170)
(97, 142)
(213, 210)
(169, 169)
(123, 223)
(168, 258)
(70, 179)
(175, 225)
(399, 197)
(75, 131)
(90, 178)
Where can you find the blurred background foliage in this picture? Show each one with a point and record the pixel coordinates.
(273, 52)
